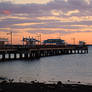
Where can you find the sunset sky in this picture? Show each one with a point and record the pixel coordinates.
(65, 19)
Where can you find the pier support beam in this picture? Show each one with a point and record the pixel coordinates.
(26, 55)
(3, 56)
(14, 55)
(21, 57)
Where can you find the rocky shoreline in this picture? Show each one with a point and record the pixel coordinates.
(10, 86)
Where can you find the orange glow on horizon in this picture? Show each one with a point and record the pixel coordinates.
(17, 37)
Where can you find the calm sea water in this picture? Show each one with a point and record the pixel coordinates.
(75, 67)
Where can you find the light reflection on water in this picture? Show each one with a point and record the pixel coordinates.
(76, 67)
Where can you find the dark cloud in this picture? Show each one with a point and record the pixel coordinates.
(45, 9)
(31, 12)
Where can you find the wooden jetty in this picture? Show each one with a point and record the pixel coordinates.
(14, 52)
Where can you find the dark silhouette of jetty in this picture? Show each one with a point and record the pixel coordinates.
(14, 52)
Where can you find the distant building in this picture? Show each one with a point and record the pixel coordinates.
(54, 42)
(82, 43)
(30, 41)
(3, 41)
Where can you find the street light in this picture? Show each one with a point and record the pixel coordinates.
(39, 38)
(73, 41)
(10, 36)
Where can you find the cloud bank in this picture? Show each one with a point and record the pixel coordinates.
(46, 16)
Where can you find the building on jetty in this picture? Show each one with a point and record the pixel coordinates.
(3, 41)
(82, 43)
(30, 41)
(31, 50)
(54, 42)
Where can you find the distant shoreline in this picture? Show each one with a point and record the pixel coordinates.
(89, 45)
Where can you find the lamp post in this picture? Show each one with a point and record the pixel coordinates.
(73, 41)
(39, 38)
(10, 36)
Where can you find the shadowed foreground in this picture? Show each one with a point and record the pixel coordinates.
(42, 87)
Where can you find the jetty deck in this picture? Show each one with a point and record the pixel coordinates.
(14, 52)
